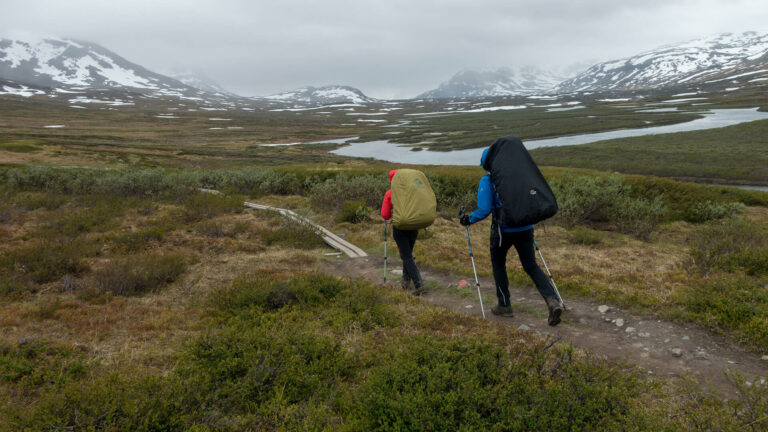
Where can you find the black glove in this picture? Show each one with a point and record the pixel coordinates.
(464, 220)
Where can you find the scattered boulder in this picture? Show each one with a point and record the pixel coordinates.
(603, 308)
(619, 322)
(765, 357)
(630, 330)
(644, 334)
(677, 352)
(523, 327)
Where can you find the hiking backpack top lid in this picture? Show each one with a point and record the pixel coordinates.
(525, 196)
(414, 205)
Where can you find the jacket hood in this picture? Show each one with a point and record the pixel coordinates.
(482, 158)
(392, 174)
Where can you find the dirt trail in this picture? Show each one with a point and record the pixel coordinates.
(660, 347)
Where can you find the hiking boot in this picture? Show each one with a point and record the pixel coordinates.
(555, 310)
(419, 290)
(505, 311)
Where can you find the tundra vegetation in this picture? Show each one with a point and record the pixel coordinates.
(131, 300)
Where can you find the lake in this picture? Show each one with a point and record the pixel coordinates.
(391, 152)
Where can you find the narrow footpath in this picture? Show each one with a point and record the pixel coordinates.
(662, 348)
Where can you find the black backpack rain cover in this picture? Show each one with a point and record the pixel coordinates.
(525, 196)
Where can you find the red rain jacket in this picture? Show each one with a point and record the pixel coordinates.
(386, 205)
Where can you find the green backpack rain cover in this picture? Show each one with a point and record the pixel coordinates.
(413, 202)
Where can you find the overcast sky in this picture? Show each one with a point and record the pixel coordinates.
(386, 48)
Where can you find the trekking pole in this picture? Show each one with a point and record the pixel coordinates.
(385, 252)
(554, 285)
(474, 269)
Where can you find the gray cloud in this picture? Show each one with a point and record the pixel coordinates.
(386, 48)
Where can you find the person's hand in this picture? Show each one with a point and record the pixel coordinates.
(464, 220)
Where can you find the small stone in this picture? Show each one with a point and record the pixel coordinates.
(700, 354)
(765, 357)
(644, 334)
(630, 330)
(677, 352)
(523, 327)
(607, 320)
(582, 321)
(666, 340)
(468, 306)
(397, 272)
(619, 322)
(686, 338)
(603, 308)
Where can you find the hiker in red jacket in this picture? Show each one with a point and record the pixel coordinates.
(405, 240)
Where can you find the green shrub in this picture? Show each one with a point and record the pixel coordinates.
(75, 222)
(453, 192)
(36, 200)
(138, 274)
(353, 212)
(606, 200)
(442, 383)
(586, 199)
(46, 261)
(736, 303)
(136, 241)
(203, 205)
(332, 193)
(708, 210)
(638, 216)
(33, 366)
(269, 292)
(292, 233)
(732, 244)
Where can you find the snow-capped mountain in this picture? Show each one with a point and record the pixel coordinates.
(326, 95)
(697, 61)
(495, 82)
(201, 82)
(64, 63)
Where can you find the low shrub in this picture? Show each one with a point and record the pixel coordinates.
(708, 210)
(136, 241)
(138, 274)
(203, 205)
(74, 222)
(353, 212)
(586, 199)
(213, 229)
(332, 193)
(34, 366)
(46, 261)
(292, 233)
(638, 216)
(36, 200)
(732, 244)
(270, 292)
(736, 303)
(608, 200)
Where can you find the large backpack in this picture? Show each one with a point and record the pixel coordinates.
(413, 202)
(525, 196)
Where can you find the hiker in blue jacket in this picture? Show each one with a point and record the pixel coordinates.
(502, 239)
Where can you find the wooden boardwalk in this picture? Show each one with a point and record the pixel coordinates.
(330, 238)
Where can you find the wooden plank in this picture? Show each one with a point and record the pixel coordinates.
(330, 238)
